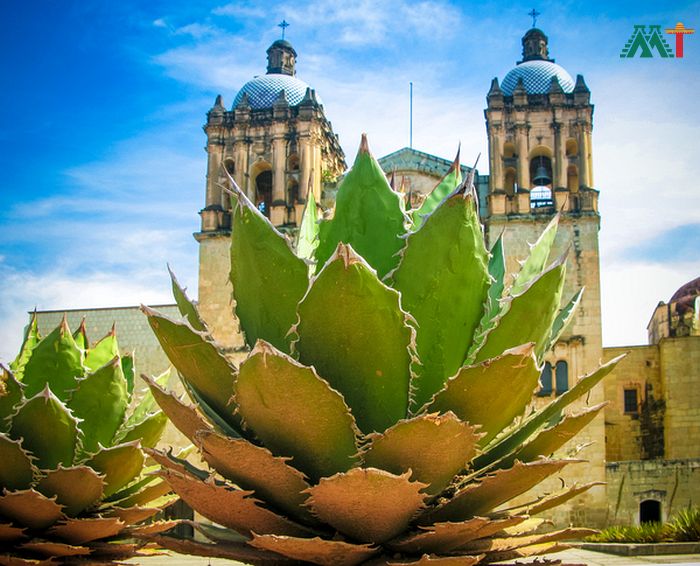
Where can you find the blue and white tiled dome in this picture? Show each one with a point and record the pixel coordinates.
(537, 77)
(262, 91)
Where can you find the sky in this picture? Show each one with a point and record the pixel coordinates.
(102, 148)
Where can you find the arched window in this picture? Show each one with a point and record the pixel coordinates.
(562, 377)
(263, 192)
(508, 150)
(546, 380)
(650, 511)
(572, 178)
(292, 193)
(571, 147)
(541, 178)
(230, 166)
(509, 184)
(293, 162)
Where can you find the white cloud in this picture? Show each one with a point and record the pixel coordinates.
(240, 10)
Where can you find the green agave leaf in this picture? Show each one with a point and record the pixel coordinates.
(563, 319)
(10, 396)
(119, 465)
(17, 470)
(76, 488)
(497, 270)
(199, 361)
(31, 339)
(103, 352)
(537, 260)
(47, 428)
(527, 317)
(80, 336)
(129, 371)
(100, 402)
(268, 279)
(368, 215)
(307, 239)
(185, 306)
(295, 413)
(446, 186)
(148, 431)
(57, 361)
(433, 447)
(443, 281)
(507, 382)
(352, 330)
(516, 438)
(147, 402)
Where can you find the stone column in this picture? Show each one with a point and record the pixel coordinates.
(278, 210)
(560, 152)
(585, 179)
(497, 153)
(305, 166)
(523, 162)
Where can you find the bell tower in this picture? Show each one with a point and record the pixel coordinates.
(539, 123)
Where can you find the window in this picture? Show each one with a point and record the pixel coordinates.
(630, 401)
(546, 381)
(562, 377)
(649, 511)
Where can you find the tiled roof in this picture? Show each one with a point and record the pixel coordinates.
(263, 90)
(537, 77)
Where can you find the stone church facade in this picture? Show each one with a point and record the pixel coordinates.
(279, 147)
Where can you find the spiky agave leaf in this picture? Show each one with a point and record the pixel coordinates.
(426, 350)
(62, 455)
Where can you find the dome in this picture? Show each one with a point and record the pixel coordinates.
(263, 91)
(537, 77)
(687, 293)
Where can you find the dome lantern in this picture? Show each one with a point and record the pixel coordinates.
(281, 58)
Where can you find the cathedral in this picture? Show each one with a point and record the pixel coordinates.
(279, 146)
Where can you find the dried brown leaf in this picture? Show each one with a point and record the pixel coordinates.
(315, 550)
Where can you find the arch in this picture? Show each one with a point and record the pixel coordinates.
(649, 511)
(509, 181)
(561, 377)
(230, 166)
(571, 147)
(508, 150)
(572, 178)
(263, 191)
(293, 162)
(546, 380)
(541, 151)
(292, 192)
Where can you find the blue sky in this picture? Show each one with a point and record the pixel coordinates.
(103, 102)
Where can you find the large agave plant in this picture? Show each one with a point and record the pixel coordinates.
(382, 414)
(71, 479)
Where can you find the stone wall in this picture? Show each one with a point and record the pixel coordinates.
(675, 484)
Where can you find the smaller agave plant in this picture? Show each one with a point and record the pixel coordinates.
(384, 414)
(72, 482)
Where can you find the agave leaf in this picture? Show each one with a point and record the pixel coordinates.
(433, 447)
(47, 428)
(538, 257)
(238, 551)
(352, 330)
(57, 361)
(563, 319)
(369, 216)
(449, 182)
(185, 305)
(514, 439)
(368, 505)
(80, 336)
(17, 470)
(147, 402)
(551, 500)
(54, 549)
(268, 279)
(508, 383)
(428, 560)
(103, 352)
(152, 528)
(551, 439)
(512, 543)
(443, 280)
(148, 431)
(9, 533)
(232, 508)
(307, 239)
(217, 419)
(10, 397)
(315, 550)
(76, 488)
(132, 515)
(152, 494)
(119, 465)
(497, 270)
(444, 537)
(255, 468)
(525, 551)
(128, 371)
(271, 393)
(100, 402)
(81, 531)
(527, 317)
(31, 339)
(199, 362)
(29, 508)
(493, 490)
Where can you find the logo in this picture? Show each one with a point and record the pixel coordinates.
(648, 39)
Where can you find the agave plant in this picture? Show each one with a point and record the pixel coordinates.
(72, 481)
(382, 415)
